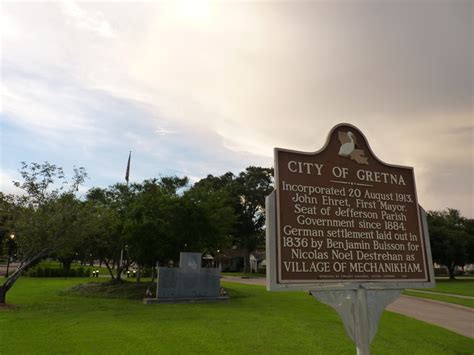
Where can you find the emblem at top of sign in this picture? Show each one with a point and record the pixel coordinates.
(348, 147)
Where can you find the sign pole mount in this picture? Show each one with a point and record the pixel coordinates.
(360, 310)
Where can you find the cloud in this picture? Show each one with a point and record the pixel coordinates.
(214, 87)
(88, 21)
(163, 131)
(6, 182)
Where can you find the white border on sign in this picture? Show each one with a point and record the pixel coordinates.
(276, 233)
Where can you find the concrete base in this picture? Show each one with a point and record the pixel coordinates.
(186, 300)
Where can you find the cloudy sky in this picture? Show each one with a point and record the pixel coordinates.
(197, 87)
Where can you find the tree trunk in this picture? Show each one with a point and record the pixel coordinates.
(154, 271)
(139, 273)
(3, 295)
(66, 264)
(10, 281)
(111, 272)
(118, 276)
(451, 272)
(120, 269)
(247, 261)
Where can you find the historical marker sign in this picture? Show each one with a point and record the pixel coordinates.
(345, 216)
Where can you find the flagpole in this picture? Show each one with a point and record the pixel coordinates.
(127, 171)
(127, 178)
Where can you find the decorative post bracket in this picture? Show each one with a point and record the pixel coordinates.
(360, 310)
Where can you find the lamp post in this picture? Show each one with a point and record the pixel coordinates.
(10, 249)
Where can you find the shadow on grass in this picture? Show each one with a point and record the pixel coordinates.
(236, 294)
(125, 289)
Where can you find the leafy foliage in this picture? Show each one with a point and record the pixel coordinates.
(452, 238)
(142, 223)
(46, 218)
(246, 195)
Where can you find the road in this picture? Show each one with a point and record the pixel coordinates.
(456, 318)
(12, 267)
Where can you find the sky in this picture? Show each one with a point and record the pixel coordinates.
(194, 87)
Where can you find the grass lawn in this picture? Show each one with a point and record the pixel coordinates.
(443, 298)
(460, 286)
(255, 321)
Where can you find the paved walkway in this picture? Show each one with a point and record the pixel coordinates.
(12, 267)
(454, 317)
(451, 316)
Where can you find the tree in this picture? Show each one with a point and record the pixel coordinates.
(151, 222)
(469, 228)
(45, 217)
(106, 239)
(246, 194)
(451, 239)
(132, 223)
(163, 220)
(7, 206)
(206, 219)
(252, 185)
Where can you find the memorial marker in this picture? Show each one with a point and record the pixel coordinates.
(342, 220)
(189, 283)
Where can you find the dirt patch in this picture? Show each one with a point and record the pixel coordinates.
(128, 290)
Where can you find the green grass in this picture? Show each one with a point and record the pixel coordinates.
(443, 298)
(46, 321)
(460, 286)
(103, 288)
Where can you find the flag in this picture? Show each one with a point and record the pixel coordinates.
(127, 172)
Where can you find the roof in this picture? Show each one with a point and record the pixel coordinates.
(259, 255)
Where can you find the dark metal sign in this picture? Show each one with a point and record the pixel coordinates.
(345, 216)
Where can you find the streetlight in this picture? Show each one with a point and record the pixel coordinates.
(10, 249)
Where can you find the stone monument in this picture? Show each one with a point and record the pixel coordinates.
(189, 283)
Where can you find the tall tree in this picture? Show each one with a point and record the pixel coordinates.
(451, 239)
(252, 186)
(7, 207)
(165, 219)
(45, 218)
(106, 238)
(246, 193)
(151, 222)
(206, 219)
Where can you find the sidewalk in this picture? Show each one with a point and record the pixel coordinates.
(456, 318)
(3, 268)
